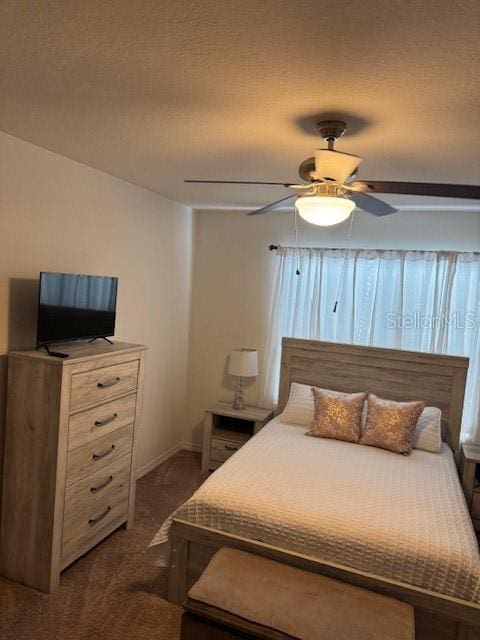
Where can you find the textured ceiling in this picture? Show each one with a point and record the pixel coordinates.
(157, 91)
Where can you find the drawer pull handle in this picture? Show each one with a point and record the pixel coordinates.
(102, 423)
(99, 456)
(231, 447)
(101, 486)
(93, 521)
(108, 383)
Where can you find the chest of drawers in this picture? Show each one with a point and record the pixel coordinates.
(68, 469)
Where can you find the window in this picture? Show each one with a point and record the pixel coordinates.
(422, 301)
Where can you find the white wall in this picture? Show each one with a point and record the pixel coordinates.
(232, 275)
(59, 215)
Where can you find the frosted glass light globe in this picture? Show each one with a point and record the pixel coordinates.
(324, 211)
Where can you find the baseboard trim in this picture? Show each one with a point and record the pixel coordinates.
(191, 446)
(181, 446)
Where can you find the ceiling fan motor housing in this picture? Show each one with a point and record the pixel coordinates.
(332, 166)
(324, 189)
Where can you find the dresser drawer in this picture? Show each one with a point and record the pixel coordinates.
(96, 487)
(98, 454)
(221, 450)
(91, 424)
(87, 527)
(476, 505)
(99, 385)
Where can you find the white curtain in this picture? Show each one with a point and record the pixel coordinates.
(416, 300)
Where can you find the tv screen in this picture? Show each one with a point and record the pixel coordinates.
(75, 307)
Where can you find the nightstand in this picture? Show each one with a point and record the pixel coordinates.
(470, 468)
(226, 430)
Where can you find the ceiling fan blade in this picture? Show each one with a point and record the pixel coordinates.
(467, 191)
(371, 204)
(279, 184)
(271, 205)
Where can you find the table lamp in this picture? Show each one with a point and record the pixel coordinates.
(242, 364)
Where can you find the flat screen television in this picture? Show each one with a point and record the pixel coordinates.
(75, 307)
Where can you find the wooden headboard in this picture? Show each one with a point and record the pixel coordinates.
(399, 375)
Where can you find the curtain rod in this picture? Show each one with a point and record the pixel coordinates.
(275, 247)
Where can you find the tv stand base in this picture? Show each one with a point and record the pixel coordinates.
(102, 338)
(54, 354)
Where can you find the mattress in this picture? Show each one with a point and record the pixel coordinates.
(399, 517)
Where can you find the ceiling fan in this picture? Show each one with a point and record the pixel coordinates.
(330, 191)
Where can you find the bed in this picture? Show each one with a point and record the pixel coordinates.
(397, 525)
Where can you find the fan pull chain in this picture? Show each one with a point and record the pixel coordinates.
(295, 229)
(344, 265)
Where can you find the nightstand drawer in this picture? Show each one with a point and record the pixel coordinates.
(99, 385)
(96, 487)
(221, 450)
(476, 505)
(98, 454)
(226, 430)
(94, 423)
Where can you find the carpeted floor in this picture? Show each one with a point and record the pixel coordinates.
(110, 593)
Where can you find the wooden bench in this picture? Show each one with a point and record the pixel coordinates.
(241, 595)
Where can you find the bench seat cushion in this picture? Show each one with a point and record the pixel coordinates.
(301, 604)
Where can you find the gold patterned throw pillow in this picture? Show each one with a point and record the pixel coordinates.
(337, 415)
(390, 425)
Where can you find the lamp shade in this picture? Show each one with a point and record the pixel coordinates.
(324, 211)
(243, 363)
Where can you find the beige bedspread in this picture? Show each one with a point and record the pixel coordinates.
(400, 517)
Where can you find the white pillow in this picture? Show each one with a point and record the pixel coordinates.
(428, 432)
(300, 407)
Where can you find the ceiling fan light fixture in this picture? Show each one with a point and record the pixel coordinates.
(324, 211)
